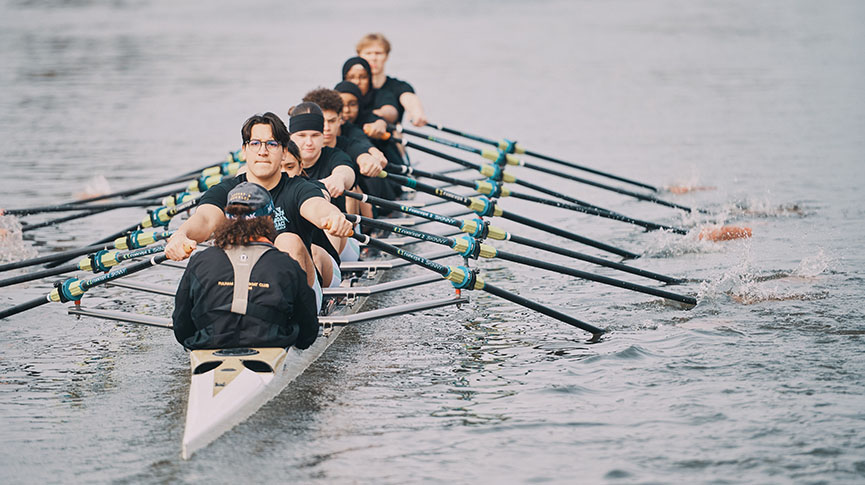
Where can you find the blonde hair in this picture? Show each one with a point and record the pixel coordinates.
(373, 38)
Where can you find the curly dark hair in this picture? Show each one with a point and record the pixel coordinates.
(240, 231)
(326, 99)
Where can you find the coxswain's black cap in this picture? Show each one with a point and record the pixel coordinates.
(253, 196)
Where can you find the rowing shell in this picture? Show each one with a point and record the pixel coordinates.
(230, 385)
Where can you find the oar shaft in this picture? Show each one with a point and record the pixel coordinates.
(557, 268)
(58, 261)
(81, 286)
(36, 275)
(526, 221)
(636, 195)
(79, 207)
(550, 312)
(442, 141)
(496, 211)
(592, 259)
(463, 134)
(518, 239)
(444, 271)
(8, 312)
(65, 255)
(544, 157)
(607, 214)
(51, 222)
(591, 170)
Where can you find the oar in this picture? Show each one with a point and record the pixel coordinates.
(503, 158)
(513, 147)
(133, 240)
(155, 218)
(73, 288)
(171, 198)
(495, 189)
(51, 222)
(469, 248)
(480, 229)
(484, 207)
(495, 172)
(79, 207)
(97, 262)
(464, 278)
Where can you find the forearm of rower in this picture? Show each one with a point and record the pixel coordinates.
(413, 107)
(201, 225)
(388, 112)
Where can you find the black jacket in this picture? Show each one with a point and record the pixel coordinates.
(281, 310)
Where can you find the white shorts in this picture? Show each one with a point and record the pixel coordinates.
(351, 251)
(316, 288)
(336, 279)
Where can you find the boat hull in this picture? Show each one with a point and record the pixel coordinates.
(227, 389)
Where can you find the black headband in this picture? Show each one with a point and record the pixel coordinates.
(348, 87)
(306, 121)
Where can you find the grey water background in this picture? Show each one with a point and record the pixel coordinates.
(762, 382)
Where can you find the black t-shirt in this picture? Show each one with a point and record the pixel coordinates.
(397, 88)
(352, 145)
(328, 161)
(379, 98)
(288, 195)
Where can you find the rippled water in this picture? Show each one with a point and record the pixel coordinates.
(760, 383)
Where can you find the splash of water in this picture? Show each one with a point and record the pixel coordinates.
(12, 245)
(748, 286)
(95, 187)
(665, 244)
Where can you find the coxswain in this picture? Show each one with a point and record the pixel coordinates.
(375, 49)
(243, 292)
(300, 207)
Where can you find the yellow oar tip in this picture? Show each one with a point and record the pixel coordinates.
(684, 189)
(725, 233)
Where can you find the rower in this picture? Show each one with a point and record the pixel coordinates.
(368, 159)
(243, 292)
(325, 255)
(329, 165)
(300, 206)
(375, 49)
(373, 104)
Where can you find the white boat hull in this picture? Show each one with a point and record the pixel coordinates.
(228, 391)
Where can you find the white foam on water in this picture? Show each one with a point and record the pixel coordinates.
(12, 245)
(748, 286)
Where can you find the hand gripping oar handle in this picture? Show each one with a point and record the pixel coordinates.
(466, 279)
(73, 288)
